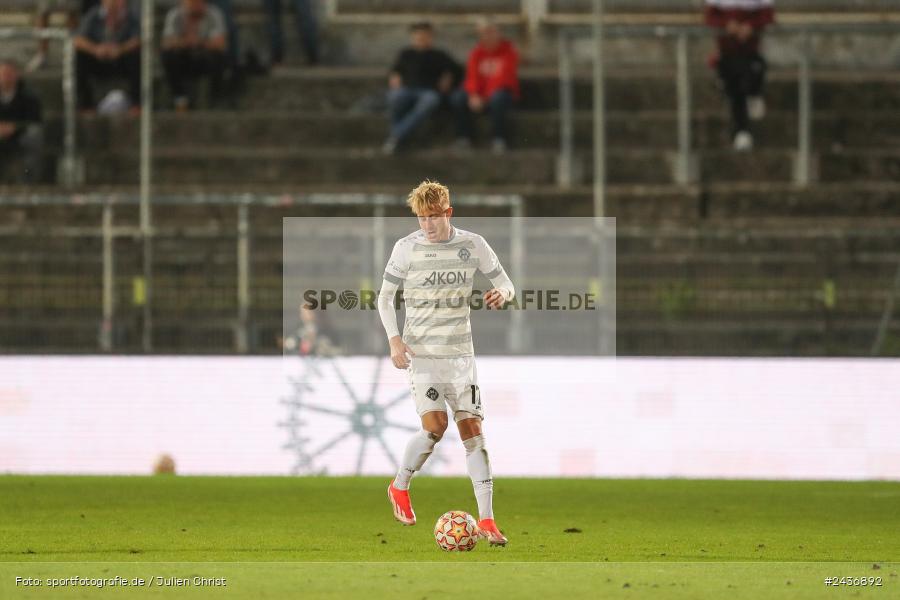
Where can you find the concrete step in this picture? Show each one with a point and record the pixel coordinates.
(26, 7)
(371, 32)
(728, 269)
(696, 6)
(752, 288)
(871, 165)
(637, 336)
(856, 255)
(766, 338)
(708, 330)
(433, 7)
(731, 204)
(624, 92)
(373, 39)
(531, 129)
(725, 204)
(825, 242)
(277, 165)
(638, 287)
(362, 90)
(219, 166)
(759, 270)
(753, 309)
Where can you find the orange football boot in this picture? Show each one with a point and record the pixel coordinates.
(403, 511)
(488, 530)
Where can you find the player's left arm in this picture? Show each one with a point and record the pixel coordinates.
(489, 264)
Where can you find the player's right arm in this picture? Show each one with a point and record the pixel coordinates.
(394, 275)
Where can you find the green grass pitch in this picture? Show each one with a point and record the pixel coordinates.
(335, 538)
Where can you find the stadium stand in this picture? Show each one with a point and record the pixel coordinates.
(741, 262)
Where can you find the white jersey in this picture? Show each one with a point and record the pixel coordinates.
(437, 279)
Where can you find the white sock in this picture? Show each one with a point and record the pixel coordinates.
(419, 448)
(479, 466)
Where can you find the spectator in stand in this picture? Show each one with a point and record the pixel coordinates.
(491, 85)
(421, 75)
(44, 9)
(108, 46)
(21, 132)
(738, 61)
(74, 10)
(234, 51)
(306, 26)
(194, 46)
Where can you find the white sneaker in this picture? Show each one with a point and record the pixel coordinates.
(756, 107)
(743, 141)
(499, 146)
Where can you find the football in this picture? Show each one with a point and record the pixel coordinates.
(456, 531)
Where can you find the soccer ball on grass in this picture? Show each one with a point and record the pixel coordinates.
(456, 531)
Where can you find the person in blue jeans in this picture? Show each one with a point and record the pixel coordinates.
(497, 105)
(306, 27)
(418, 80)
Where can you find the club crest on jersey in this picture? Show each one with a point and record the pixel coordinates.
(464, 254)
(432, 394)
(445, 277)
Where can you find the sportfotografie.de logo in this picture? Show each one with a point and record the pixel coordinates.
(366, 299)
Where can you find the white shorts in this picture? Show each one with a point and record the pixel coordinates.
(441, 383)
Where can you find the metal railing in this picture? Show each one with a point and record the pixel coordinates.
(70, 171)
(686, 167)
(884, 325)
(146, 160)
(242, 203)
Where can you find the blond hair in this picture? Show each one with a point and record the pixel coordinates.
(429, 196)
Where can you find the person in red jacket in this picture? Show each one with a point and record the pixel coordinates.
(738, 60)
(491, 85)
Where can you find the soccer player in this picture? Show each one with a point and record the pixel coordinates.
(436, 266)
